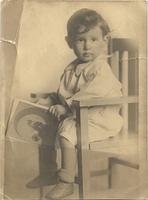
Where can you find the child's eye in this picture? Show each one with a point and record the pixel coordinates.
(94, 39)
(80, 39)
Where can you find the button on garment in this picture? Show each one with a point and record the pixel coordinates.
(82, 81)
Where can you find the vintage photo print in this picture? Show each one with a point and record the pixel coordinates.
(73, 120)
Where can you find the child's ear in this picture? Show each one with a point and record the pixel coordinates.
(106, 38)
(69, 42)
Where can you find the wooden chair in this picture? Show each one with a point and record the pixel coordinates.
(124, 63)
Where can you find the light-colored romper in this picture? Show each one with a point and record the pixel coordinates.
(89, 80)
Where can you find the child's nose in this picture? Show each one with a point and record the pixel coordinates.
(87, 44)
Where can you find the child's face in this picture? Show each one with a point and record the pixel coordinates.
(87, 46)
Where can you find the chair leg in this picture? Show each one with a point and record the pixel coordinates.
(83, 174)
(41, 192)
(113, 160)
(83, 151)
(110, 162)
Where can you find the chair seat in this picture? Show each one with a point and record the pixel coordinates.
(123, 148)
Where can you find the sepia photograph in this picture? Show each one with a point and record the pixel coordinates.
(73, 100)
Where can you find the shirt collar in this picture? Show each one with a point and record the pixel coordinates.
(80, 67)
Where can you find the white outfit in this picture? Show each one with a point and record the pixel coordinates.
(88, 80)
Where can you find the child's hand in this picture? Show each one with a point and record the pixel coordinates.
(58, 111)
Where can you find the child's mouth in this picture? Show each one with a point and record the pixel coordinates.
(87, 54)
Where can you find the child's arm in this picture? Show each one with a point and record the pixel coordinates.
(56, 103)
(62, 109)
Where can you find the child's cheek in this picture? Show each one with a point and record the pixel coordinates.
(102, 47)
(79, 47)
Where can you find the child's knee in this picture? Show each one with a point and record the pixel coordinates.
(46, 99)
(65, 143)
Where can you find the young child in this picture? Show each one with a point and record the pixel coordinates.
(89, 75)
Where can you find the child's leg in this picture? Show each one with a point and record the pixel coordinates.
(68, 165)
(67, 172)
(47, 159)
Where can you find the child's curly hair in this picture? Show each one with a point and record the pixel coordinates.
(85, 19)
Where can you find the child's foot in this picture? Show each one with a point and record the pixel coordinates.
(41, 181)
(60, 191)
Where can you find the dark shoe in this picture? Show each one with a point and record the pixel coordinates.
(60, 191)
(41, 181)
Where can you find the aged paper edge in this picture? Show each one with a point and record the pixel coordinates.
(2, 93)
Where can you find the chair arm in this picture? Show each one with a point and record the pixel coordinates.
(93, 102)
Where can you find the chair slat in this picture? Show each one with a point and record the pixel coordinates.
(124, 81)
(115, 63)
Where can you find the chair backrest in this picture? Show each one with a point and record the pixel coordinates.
(124, 63)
